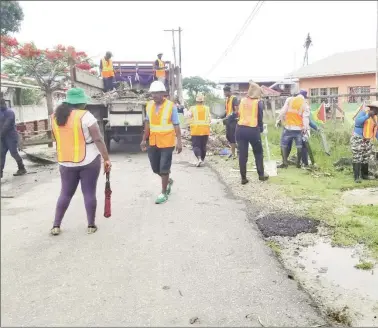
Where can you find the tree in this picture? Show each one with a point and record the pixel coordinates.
(195, 84)
(11, 16)
(50, 68)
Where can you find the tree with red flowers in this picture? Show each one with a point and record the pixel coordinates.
(51, 68)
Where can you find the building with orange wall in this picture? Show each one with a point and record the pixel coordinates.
(342, 73)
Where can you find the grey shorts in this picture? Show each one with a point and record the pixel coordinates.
(160, 159)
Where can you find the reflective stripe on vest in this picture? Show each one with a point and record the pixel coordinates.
(370, 127)
(107, 68)
(248, 112)
(70, 140)
(294, 115)
(162, 132)
(161, 71)
(200, 122)
(229, 108)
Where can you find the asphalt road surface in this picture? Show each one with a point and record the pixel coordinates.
(194, 261)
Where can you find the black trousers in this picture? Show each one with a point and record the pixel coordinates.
(199, 146)
(246, 136)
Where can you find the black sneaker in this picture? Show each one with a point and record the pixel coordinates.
(19, 172)
(263, 177)
(244, 181)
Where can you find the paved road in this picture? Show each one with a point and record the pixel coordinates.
(196, 256)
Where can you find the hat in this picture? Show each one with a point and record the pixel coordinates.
(157, 86)
(76, 96)
(303, 93)
(254, 90)
(373, 104)
(226, 88)
(160, 53)
(200, 97)
(109, 53)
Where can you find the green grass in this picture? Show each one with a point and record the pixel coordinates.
(364, 266)
(274, 246)
(320, 189)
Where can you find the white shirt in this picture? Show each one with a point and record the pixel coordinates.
(91, 151)
(305, 115)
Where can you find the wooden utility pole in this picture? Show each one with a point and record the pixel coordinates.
(179, 32)
(307, 45)
(178, 71)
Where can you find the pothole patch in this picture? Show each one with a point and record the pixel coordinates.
(286, 225)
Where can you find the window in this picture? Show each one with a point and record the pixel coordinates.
(323, 91)
(314, 93)
(358, 90)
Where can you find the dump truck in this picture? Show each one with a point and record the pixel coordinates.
(121, 113)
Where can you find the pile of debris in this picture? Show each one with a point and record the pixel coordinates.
(215, 144)
(122, 92)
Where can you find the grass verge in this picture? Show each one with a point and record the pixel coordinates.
(319, 190)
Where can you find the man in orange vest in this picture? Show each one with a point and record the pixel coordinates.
(107, 71)
(200, 128)
(231, 104)
(295, 115)
(248, 132)
(159, 67)
(365, 130)
(162, 127)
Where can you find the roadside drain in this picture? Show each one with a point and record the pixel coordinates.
(286, 225)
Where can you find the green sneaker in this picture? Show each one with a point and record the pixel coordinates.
(169, 187)
(162, 198)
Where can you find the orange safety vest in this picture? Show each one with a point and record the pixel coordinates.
(370, 127)
(294, 115)
(229, 108)
(70, 140)
(248, 112)
(161, 71)
(200, 122)
(162, 132)
(107, 68)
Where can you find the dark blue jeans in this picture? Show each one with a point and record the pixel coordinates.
(108, 84)
(288, 136)
(9, 143)
(304, 152)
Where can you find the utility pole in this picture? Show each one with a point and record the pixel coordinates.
(179, 32)
(178, 81)
(307, 45)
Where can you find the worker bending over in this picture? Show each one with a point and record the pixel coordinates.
(248, 132)
(159, 67)
(9, 137)
(295, 117)
(162, 127)
(199, 128)
(365, 130)
(231, 104)
(107, 71)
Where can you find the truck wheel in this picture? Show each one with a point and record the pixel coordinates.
(107, 139)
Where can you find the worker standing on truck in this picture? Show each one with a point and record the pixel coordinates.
(295, 117)
(159, 67)
(199, 128)
(107, 71)
(9, 137)
(79, 144)
(365, 130)
(248, 132)
(231, 104)
(162, 125)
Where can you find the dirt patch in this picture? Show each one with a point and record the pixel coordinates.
(286, 225)
(368, 196)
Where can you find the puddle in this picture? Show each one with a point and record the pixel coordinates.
(368, 196)
(337, 266)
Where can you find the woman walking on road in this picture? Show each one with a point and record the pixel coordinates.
(200, 128)
(79, 144)
(248, 131)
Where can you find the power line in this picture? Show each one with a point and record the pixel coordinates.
(249, 19)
